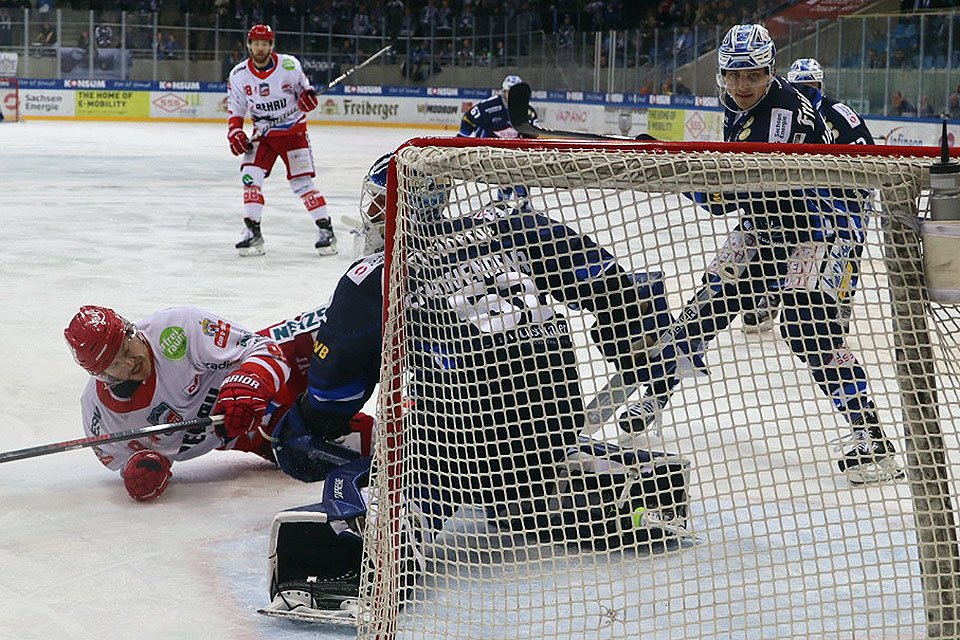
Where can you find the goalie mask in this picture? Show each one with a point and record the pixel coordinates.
(805, 70)
(426, 198)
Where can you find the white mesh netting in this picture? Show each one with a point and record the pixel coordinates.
(534, 294)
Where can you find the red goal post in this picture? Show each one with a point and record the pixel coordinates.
(782, 545)
(10, 99)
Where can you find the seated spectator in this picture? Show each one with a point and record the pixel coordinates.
(900, 60)
(6, 27)
(103, 36)
(46, 37)
(902, 107)
(160, 46)
(567, 33)
(465, 54)
(83, 40)
(681, 89)
(953, 109)
(926, 111)
(666, 88)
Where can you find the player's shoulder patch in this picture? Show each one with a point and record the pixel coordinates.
(781, 123)
(240, 66)
(361, 269)
(287, 62)
(848, 114)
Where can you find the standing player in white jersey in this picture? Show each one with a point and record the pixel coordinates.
(273, 90)
(184, 363)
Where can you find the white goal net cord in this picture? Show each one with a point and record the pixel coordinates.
(494, 347)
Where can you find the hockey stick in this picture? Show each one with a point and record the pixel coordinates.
(518, 105)
(130, 434)
(330, 85)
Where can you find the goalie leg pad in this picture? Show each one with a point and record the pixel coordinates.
(606, 497)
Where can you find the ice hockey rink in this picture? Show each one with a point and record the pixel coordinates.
(139, 217)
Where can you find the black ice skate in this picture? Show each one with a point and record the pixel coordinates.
(251, 243)
(326, 244)
(872, 459)
(762, 317)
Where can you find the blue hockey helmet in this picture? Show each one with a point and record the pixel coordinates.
(510, 81)
(805, 70)
(747, 46)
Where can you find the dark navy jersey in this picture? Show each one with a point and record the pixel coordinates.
(345, 366)
(782, 115)
(845, 125)
(490, 118)
(785, 115)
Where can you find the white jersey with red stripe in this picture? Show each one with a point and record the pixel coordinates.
(268, 97)
(192, 352)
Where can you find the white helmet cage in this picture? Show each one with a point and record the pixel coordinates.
(805, 70)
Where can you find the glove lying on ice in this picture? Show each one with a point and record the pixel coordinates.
(145, 475)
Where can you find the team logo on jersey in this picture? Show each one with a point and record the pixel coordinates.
(219, 331)
(173, 343)
(163, 413)
(780, 121)
(288, 65)
(191, 388)
(263, 89)
(286, 87)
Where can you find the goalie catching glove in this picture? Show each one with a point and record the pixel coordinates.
(308, 100)
(243, 398)
(145, 475)
(239, 142)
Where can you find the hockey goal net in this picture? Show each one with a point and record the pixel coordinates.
(10, 99)
(533, 287)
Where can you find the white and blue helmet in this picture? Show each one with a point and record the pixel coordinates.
(805, 70)
(746, 46)
(510, 81)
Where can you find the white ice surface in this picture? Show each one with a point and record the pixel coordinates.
(140, 217)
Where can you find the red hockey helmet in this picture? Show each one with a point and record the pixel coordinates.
(260, 32)
(95, 336)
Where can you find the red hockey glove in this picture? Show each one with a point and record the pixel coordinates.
(239, 142)
(145, 475)
(242, 401)
(308, 100)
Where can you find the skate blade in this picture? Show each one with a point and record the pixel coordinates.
(883, 470)
(327, 251)
(763, 327)
(249, 252)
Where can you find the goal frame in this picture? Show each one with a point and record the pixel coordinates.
(927, 469)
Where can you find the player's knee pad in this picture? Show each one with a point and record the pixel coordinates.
(304, 455)
(302, 185)
(252, 178)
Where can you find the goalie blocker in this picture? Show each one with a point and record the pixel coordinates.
(603, 498)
